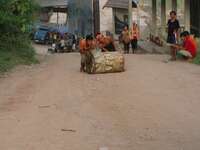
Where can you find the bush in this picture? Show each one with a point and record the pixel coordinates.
(197, 59)
(15, 51)
(15, 45)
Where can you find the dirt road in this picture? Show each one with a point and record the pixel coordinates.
(51, 106)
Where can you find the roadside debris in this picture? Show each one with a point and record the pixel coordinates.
(68, 130)
(103, 148)
(44, 106)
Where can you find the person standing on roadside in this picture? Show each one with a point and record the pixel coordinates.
(126, 39)
(173, 32)
(134, 37)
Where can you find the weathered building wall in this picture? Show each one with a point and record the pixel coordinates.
(106, 17)
(78, 21)
(58, 18)
(121, 19)
(122, 14)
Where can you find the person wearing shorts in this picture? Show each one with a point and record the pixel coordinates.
(85, 46)
(173, 28)
(126, 39)
(189, 48)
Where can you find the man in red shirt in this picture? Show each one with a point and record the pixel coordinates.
(189, 48)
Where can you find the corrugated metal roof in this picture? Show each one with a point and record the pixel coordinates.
(53, 3)
(120, 4)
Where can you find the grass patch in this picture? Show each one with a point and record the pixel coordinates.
(9, 60)
(16, 17)
(197, 59)
(16, 52)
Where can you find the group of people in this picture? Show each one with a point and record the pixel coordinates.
(54, 37)
(59, 41)
(130, 37)
(183, 45)
(100, 42)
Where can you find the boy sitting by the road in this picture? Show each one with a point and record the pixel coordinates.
(186, 51)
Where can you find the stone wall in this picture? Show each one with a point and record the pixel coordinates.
(106, 17)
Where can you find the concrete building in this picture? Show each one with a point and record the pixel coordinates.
(111, 15)
(80, 17)
(106, 17)
(120, 13)
(164, 15)
(190, 11)
(75, 15)
(53, 11)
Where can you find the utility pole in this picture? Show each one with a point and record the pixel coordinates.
(187, 15)
(57, 17)
(96, 16)
(154, 16)
(138, 14)
(174, 5)
(130, 16)
(163, 13)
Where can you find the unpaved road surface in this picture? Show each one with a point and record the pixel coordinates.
(51, 106)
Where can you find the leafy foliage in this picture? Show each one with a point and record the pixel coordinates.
(16, 15)
(15, 46)
(197, 58)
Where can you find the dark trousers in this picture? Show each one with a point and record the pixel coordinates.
(134, 44)
(126, 47)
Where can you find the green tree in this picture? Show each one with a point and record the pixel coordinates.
(15, 15)
(15, 18)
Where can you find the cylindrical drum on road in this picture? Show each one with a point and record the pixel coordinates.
(104, 62)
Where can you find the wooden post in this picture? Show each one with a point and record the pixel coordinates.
(57, 17)
(174, 5)
(138, 16)
(130, 15)
(154, 15)
(113, 20)
(96, 16)
(163, 13)
(187, 15)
